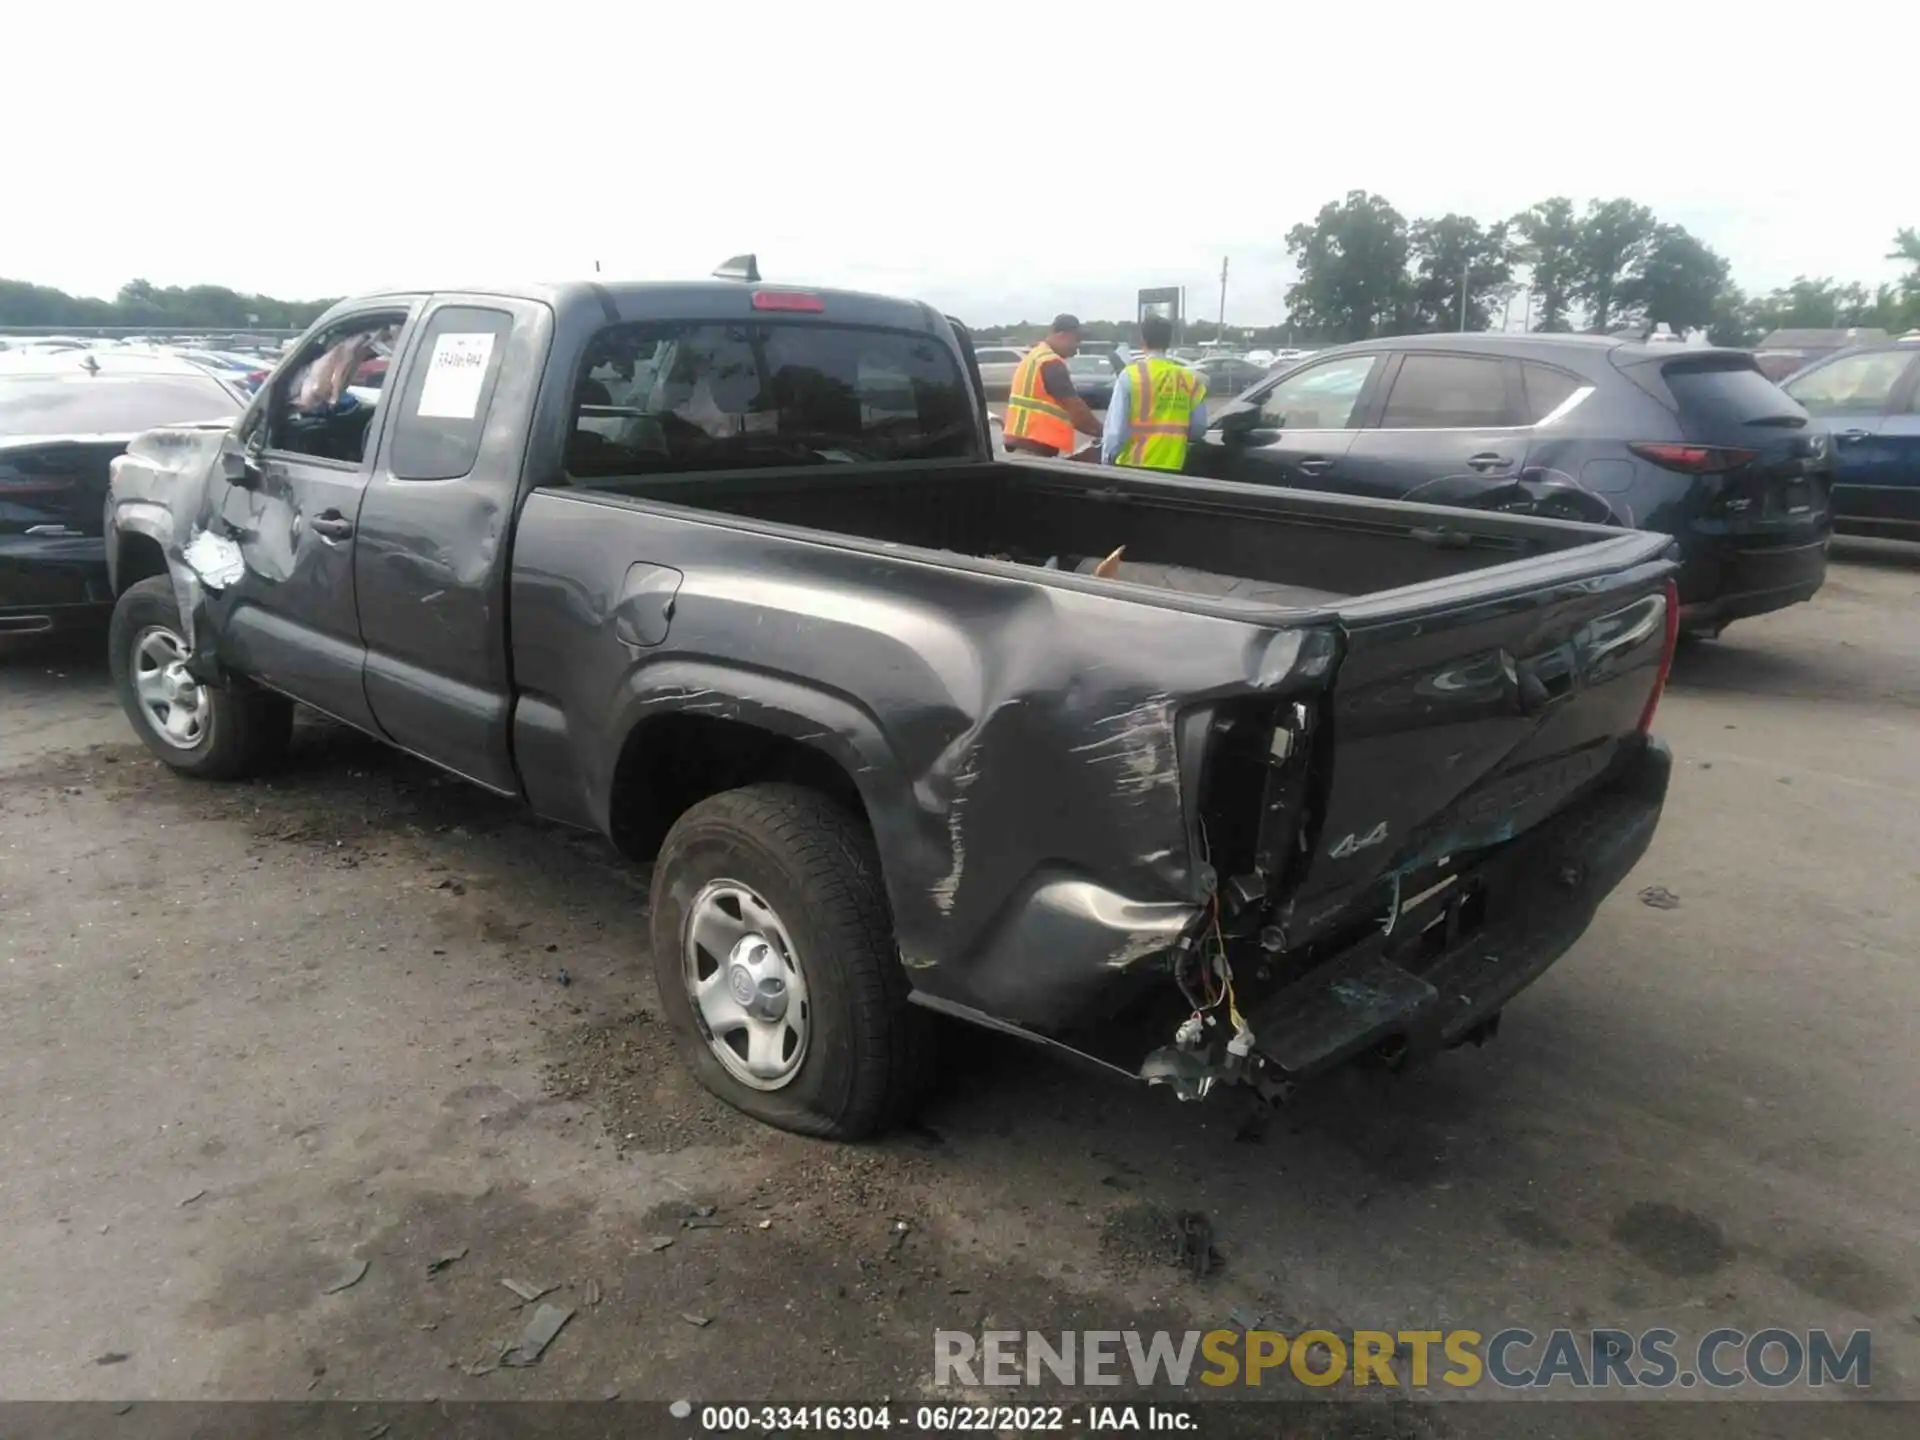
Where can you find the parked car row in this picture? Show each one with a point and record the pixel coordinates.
(1689, 441)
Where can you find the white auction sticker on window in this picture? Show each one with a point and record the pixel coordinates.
(455, 371)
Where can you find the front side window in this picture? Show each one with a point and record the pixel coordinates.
(1324, 397)
(320, 405)
(1851, 385)
(657, 397)
(1441, 392)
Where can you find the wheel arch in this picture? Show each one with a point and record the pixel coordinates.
(669, 762)
(141, 546)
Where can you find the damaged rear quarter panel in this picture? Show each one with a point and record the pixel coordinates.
(1009, 737)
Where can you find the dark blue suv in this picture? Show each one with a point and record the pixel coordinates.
(1869, 400)
(1688, 440)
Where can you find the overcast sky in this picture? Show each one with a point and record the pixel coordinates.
(1001, 161)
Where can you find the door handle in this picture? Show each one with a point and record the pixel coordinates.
(1853, 437)
(1486, 460)
(332, 525)
(1314, 465)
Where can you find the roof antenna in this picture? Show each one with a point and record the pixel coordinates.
(740, 267)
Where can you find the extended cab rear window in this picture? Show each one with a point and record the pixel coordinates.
(443, 409)
(670, 397)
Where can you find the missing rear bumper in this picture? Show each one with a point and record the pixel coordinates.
(1396, 997)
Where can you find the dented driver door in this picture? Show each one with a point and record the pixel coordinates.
(430, 567)
(287, 616)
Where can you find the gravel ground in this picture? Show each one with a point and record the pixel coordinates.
(258, 1035)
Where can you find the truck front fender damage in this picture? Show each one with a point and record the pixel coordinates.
(159, 492)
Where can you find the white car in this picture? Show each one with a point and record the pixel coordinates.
(1261, 357)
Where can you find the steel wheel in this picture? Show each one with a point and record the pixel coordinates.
(748, 990)
(172, 702)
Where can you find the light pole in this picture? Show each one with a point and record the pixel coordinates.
(1220, 326)
(1463, 298)
(1507, 292)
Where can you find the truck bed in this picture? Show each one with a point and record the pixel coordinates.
(1202, 539)
(1314, 703)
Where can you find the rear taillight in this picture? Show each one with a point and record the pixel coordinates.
(1667, 647)
(1692, 459)
(788, 300)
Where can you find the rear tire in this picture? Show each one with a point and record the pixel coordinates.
(198, 730)
(805, 1022)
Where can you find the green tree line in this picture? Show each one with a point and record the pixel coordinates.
(141, 304)
(1365, 269)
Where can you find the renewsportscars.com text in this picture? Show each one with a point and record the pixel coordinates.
(1510, 1359)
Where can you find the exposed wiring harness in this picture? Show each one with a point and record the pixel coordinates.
(1215, 977)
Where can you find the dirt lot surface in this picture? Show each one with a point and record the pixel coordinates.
(296, 1074)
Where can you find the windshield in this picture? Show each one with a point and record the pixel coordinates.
(665, 397)
(108, 404)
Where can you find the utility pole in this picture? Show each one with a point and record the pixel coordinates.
(1463, 298)
(1220, 330)
(1526, 315)
(1180, 330)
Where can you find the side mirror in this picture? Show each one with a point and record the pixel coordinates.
(1237, 425)
(240, 464)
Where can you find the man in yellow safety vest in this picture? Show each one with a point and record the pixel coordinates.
(1159, 406)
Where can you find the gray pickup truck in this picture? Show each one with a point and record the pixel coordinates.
(728, 572)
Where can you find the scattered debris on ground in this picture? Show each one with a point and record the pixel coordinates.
(355, 1273)
(547, 1322)
(528, 1293)
(452, 1257)
(1660, 898)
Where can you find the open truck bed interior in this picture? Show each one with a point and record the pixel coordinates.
(1197, 537)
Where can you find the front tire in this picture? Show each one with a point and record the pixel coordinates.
(198, 730)
(774, 953)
